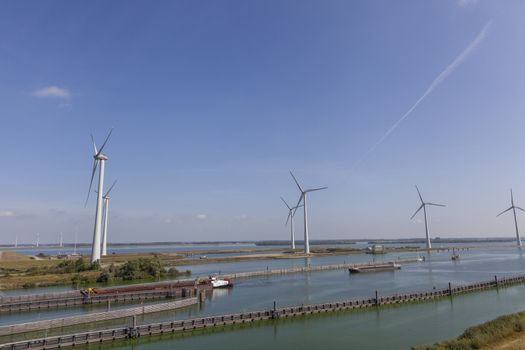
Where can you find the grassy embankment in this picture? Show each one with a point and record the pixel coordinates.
(503, 333)
(21, 271)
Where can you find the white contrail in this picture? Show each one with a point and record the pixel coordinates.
(435, 83)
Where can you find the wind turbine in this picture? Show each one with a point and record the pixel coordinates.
(424, 207)
(106, 211)
(37, 239)
(99, 158)
(291, 214)
(16, 240)
(303, 198)
(513, 207)
(61, 244)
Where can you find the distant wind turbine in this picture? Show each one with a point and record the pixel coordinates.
(76, 240)
(16, 240)
(424, 207)
(305, 208)
(61, 243)
(99, 158)
(291, 214)
(513, 207)
(37, 239)
(106, 212)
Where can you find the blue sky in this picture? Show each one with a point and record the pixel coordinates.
(212, 102)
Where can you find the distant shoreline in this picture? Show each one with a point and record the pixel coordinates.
(280, 242)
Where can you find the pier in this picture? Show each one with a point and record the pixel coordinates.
(275, 313)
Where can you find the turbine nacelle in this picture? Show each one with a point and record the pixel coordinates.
(512, 206)
(100, 157)
(424, 204)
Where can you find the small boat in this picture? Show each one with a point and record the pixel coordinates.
(203, 257)
(455, 256)
(420, 258)
(220, 283)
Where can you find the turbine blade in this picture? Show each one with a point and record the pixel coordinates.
(511, 197)
(296, 182)
(287, 206)
(94, 144)
(437, 205)
(419, 193)
(104, 144)
(107, 193)
(298, 203)
(417, 211)
(503, 212)
(316, 189)
(95, 163)
(288, 218)
(519, 208)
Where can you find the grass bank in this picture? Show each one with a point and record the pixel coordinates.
(500, 333)
(29, 272)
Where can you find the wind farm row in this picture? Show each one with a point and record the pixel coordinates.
(100, 231)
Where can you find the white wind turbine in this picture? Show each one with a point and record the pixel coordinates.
(106, 212)
(305, 208)
(99, 158)
(513, 207)
(424, 207)
(291, 214)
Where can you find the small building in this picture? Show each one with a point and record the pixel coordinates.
(376, 249)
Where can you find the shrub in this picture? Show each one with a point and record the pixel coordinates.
(104, 277)
(140, 269)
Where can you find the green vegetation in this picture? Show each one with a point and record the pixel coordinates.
(29, 273)
(483, 335)
(151, 268)
(139, 269)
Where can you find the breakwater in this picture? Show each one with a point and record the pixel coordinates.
(94, 317)
(314, 268)
(121, 294)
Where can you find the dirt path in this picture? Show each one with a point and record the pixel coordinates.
(514, 343)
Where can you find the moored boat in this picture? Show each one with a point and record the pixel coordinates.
(220, 283)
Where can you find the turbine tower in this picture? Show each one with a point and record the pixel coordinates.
(291, 214)
(99, 158)
(61, 244)
(424, 207)
(513, 207)
(106, 211)
(305, 208)
(37, 239)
